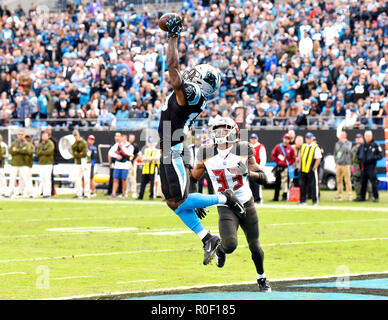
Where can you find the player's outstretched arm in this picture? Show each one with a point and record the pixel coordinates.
(173, 69)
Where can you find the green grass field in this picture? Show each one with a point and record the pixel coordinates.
(47, 250)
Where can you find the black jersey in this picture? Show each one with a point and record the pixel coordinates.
(176, 120)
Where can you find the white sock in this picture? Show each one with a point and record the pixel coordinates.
(222, 199)
(202, 233)
(260, 276)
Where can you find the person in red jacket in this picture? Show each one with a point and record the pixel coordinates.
(261, 160)
(284, 156)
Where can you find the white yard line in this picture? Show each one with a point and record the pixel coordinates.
(323, 222)
(135, 281)
(81, 218)
(11, 273)
(145, 202)
(72, 277)
(92, 229)
(222, 285)
(163, 231)
(182, 249)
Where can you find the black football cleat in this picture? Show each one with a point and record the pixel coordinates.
(264, 285)
(210, 248)
(220, 258)
(234, 204)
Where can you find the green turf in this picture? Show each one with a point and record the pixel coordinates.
(297, 241)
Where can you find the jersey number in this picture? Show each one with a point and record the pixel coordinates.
(224, 183)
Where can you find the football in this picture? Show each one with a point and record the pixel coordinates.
(166, 17)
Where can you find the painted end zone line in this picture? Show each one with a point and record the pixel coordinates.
(222, 285)
(182, 249)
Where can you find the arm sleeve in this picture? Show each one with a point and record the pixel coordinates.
(379, 152)
(318, 153)
(112, 152)
(73, 150)
(273, 154)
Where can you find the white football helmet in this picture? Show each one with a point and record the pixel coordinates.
(206, 76)
(229, 134)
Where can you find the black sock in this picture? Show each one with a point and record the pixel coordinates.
(206, 238)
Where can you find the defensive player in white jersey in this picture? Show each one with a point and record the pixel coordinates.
(229, 162)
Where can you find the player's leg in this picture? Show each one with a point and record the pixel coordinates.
(175, 197)
(228, 224)
(250, 226)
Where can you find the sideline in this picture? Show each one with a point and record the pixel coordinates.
(117, 295)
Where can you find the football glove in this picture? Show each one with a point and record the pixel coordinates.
(201, 212)
(262, 178)
(242, 167)
(174, 27)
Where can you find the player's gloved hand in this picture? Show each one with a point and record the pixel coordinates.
(242, 167)
(174, 27)
(262, 178)
(201, 212)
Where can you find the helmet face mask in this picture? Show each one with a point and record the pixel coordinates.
(224, 131)
(206, 76)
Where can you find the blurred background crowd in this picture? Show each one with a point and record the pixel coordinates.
(287, 63)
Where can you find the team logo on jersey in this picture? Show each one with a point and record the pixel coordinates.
(211, 79)
(190, 91)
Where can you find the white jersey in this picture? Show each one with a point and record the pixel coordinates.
(222, 167)
(127, 153)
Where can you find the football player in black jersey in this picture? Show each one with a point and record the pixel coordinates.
(190, 93)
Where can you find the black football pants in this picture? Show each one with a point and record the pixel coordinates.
(369, 173)
(228, 224)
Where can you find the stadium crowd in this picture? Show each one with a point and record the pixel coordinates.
(290, 63)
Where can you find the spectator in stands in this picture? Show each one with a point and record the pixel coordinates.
(294, 50)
